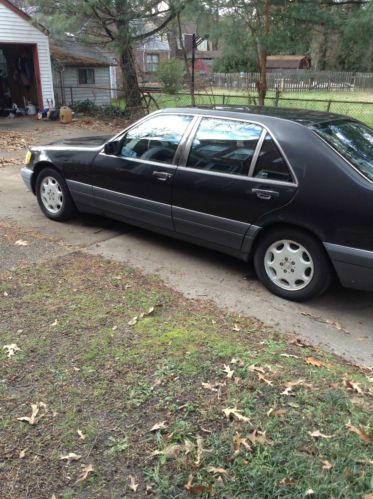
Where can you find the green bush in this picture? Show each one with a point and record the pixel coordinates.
(171, 75)
(90, 108)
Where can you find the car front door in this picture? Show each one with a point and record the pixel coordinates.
(215, 195)
(135, 184)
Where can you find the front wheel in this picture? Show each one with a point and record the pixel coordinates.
(292, 264)
(53, 195)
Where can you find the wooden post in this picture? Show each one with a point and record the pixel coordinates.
(328, 106)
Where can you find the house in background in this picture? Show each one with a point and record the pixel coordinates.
(81, 73)
(149, 53)
(25, 65)
(290, 62)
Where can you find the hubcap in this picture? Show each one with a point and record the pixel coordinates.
(289, 265)
(51, 194)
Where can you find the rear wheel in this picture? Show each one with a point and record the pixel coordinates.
(53, 195)
(292, 264)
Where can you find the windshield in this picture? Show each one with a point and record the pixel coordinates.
(352, 140)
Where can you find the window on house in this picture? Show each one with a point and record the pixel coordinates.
(152, 61)
(86, 76)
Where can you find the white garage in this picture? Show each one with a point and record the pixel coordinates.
(25, 65)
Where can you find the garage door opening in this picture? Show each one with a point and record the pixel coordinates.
(19, 77)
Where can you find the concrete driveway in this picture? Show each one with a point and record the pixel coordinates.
(341, 321)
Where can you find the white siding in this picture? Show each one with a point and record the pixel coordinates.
(14, 29)
(99, 92)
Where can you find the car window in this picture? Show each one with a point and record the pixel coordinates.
(156, 139)
(353, 140)
(225, 146)
(270, 164)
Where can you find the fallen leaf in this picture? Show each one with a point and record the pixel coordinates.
(235, 361)
(234, 413)
(238, 442)
(309, 492)
(259, 437)
(265, 380)
(292, 384)
(114, 328)
(351, 385)
(32, 420)
(11, 349)
(21, 242)
(219, 471)
(276, 412)
(85, 472)
(156, 383)
(22, 453)
(364, 436)
(71, 456)
(198, 489)
(81, 435)
(200, 450)
(326, 465)
(169, 451)
(133, 483)
(213, 388)
(162, 425)
(254, 368)
(54, 323)
(228, 371)
(290, 355)
(133, 321)
(188, 446)
(318, 434)
(367, 496)
(5, 294)
(318, 363)
(236, 328)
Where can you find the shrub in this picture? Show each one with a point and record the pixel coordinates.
(171, 75)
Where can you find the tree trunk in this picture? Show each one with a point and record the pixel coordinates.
(132, 94)
(262, 82)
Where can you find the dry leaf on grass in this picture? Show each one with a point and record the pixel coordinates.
(81, 434)
(351, 385)
(234, 413)
(162, 425)
(238, 362)
(200, 450)
(133, 483)
(174, 450)
(11, 349)
(318, 434)
(326, 465)
(198, 489)
(264, 380)
(135, 319)
(367, 496)
(236, 327)
(317, 363)
(22, 454)
(276, 412)
(292, 384)
(213, 387)
(238, 442)
(71, 456)
(218, 471)
(258, 369)
(259, 437)
(21, 242)
(85, 472)
(33, 420)
(228, 371)
(364, 436)
(309, 492)
(289, 355)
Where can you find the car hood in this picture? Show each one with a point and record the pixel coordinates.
(93, 141)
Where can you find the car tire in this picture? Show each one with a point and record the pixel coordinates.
(53, 195)
(292, 264)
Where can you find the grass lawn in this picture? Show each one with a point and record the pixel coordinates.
(184, 400)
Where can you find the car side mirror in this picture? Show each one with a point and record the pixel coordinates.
(112, 147)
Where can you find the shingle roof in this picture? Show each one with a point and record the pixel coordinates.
(72, 53)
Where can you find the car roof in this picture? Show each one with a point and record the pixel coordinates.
(304, 117)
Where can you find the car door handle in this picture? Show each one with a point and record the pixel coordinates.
(265, 194)
(163, 176)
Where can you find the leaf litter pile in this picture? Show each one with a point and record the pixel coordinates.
(113, 385)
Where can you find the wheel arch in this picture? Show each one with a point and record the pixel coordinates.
(283, 225)
(37, 169)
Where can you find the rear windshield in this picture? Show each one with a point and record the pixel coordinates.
(351, 139)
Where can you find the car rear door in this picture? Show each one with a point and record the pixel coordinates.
(216, 197)
(135, 185)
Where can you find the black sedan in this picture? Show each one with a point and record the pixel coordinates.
(291, 190)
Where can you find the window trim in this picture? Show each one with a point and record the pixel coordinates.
(189, 142)
(86, 69)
